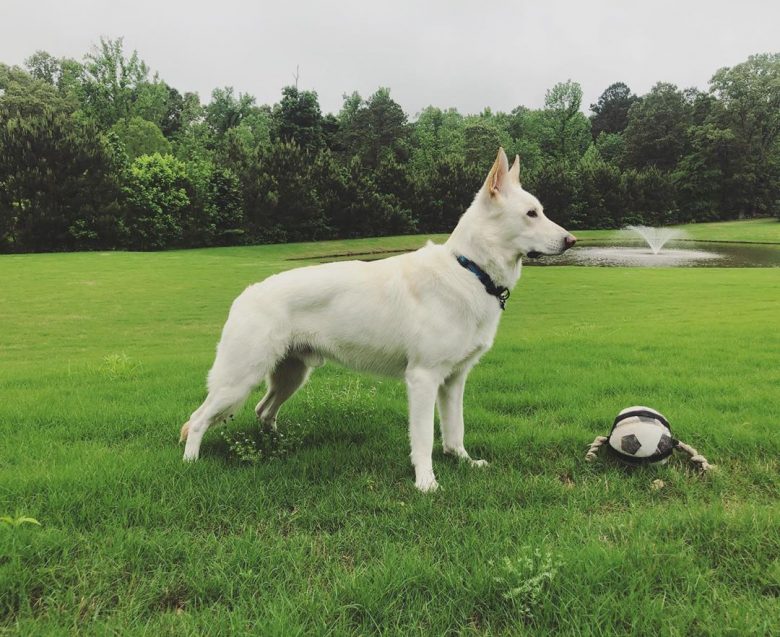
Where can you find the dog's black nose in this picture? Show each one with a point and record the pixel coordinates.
(569, 241)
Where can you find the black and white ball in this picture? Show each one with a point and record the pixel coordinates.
(641, 435)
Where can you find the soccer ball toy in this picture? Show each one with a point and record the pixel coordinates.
(642, 435)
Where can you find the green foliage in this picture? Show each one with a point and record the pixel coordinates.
(225, 111)
(703, 177)
(17, 521)
(436, 134)
(601, 195)
(748, 105)
(480, 141)
(156, 196)
(297, 119)
(610, 112)
(119, 367)
(443, 191)
(58, 189)
(141, 137)
(111, 82)
(73, 132)
(259, 444)
(373, 129)
(656, 131)
(567, 131)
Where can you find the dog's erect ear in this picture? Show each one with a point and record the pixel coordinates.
(514, 171)
(497, 177)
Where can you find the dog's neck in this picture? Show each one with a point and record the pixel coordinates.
(479, 239)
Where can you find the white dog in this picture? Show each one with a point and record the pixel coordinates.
(426, 317)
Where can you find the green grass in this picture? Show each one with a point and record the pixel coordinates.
(103, 356)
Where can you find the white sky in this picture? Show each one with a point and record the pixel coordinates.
(460, 53)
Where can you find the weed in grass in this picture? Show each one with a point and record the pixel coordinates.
(260, 444)
(16, 522)
(119, 367)
(525, 579)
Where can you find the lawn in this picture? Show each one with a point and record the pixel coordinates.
(104, 356)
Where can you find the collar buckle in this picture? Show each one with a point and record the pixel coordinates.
(500, 292)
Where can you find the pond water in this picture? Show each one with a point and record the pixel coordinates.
(681, 254)
(625, 253)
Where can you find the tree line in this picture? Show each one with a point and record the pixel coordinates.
(103, 154)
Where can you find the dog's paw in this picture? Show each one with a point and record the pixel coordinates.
(190, 457)
(458, 452)
(461, 454)
(427, 484)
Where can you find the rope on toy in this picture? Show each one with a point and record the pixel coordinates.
(695, 457)
(594, 448)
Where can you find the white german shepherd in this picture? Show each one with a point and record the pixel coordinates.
(426, 317)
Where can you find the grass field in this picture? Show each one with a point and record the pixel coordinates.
(103, 356)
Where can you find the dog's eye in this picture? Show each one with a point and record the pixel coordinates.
(533, 213)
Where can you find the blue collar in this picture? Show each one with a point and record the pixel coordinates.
(499, 291)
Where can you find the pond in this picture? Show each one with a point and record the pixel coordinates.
(627, 253)
(685, 253)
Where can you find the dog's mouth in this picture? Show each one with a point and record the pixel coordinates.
(533, 254)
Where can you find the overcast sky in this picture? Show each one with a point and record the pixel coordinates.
(466, 54)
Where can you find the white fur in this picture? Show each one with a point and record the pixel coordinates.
(419, 316)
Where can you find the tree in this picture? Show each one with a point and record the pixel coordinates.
(704, 177)
(156, 199)
(112, 82)
(481, 140)
(214, 215)
(650, 197)
(163, 105)
(657, 126)
(444, 192)
(749, 105)
(65, 74)
(600, 197)
(374, 128)
(568, 130)
(610, 112)
(611, 147)
(226, 111)
(58, 187)
(141, 137)
(297, 118)
(354, 204)
(436, 134)
(557, 185)
(281, 202)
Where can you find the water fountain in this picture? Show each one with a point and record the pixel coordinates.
(658, 254)
(656, 238)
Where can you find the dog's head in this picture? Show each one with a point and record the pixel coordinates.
(520, 216)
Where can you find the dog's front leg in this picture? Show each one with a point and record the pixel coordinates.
(450, 401)
(421, 385)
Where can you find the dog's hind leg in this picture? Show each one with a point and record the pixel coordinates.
(220, 405)
(240, 365)
(288, 376)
